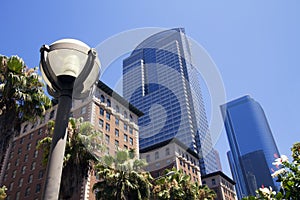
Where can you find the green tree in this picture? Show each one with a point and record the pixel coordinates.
(288, 174)
(177, 185)
(3, 192)
(21, 98)
(122, 178)
(83, 146)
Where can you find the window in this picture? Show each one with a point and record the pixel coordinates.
(125, 138)
(125, 114)
(26, 158)
(156, 155)
(167, 151)
(33, 166)
(36, 152)
(107, 139)
(130, 130)
(17, 162)
(213, 181)
(28, 146)
(117, 109)
(116, 144)
(27, 192)
(23, 170)
(41, 174)
(37, 142)
(117, 121)
(30, 136)
(101, 112)
(125, 146)
(25, 128)
(14, 174)
(5, 177)
(107, 127)
(102, 98)
(18, 195)
(30, 178)
(38, 188)
(11, 155)
(20, 182)
(131, 118)
(125, 127)
(11, 186)
(83, 110)
(116, 132)
(107, 115)
(21, 140)
(130, 141)
(8, 166)
(40, 131)
(101, 123)
(108, 103)
(148, 158)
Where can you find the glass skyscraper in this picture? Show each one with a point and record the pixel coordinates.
(252, 145)
(160, 80)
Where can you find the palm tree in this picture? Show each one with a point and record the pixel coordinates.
(203, 192)
(83, 146)
(176, 185)
(122, 178)
(171, 185)
(21, 98)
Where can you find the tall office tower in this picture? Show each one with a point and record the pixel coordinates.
(251, 143)
(160, 80)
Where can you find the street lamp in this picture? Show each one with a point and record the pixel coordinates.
(69, 68)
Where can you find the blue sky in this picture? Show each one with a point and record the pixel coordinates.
(255, 44)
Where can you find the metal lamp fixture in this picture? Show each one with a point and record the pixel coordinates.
(66, 61)
(70, 68)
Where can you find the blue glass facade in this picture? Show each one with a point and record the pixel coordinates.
(251, 143)
(159, 79)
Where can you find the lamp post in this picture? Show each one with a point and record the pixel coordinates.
(69, 68)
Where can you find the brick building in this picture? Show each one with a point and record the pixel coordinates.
(171, 154)
(22, 171)
(221, 184)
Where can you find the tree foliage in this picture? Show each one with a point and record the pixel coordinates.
(121, 177)
(21, 98)
(176, 185)
(83, 146)
(3, 192)
(288, 174)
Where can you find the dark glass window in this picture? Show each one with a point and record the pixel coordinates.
(101, 111)
(116, 132)
(102, 98)
(107, 138)
(101, 123)
(107, 116)
(107, 127)
(108, 103)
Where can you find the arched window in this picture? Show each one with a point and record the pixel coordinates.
(102, 98)
(108, 102)
(131, 118)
